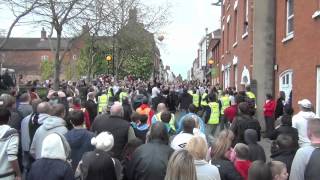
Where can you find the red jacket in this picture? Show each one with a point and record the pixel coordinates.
(230, 113)
(145, 109)
(269, 108)
(242, 166)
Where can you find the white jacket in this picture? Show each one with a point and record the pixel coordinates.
(300, 122)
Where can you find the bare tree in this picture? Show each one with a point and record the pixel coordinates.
(66, 18)
(20, 9)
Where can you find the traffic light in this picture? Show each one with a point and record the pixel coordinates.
(108, 58)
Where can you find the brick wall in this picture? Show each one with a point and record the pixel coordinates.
(301, 54)
(240, 45)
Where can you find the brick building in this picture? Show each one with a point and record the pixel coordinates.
(297, 50)
(24, 55)
(236, 43)
(214, 54)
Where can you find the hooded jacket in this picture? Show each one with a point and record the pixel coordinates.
(285, 155)
(25, 132)
(53, 164)
(300, 121)
(80, 142)
(241, 123)
(52, 124)
(256, 152)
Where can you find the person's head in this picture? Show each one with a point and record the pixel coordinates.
(159, 131)
(305, 105)
(259, 171)
(278, 170)
(91, 95)
(25, 97)
(269, 96)
(222, 145)
(44, 107)
(192, 108)
(286, 120)
(7, 101)
(76, 101)
(212, 97)
(250, 136)
(58, 110)
(282, 95)
(76, 118)
(284, 141)
(314, 130)
(103, 141)
(161, 107)
(165, 116)
(198, 147)
(55, 146)
(188, 124)
(181, 166)
(143, 119)
(242, 151)
(4, 115)
(116, 110)
(244, 107)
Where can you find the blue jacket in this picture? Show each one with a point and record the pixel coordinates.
(80, 142)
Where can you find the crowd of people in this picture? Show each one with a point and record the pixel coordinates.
(137, 130)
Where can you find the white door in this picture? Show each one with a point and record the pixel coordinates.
(226, 78)
(318, 91)
(285, 83)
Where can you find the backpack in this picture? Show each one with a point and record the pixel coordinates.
(312, 169)
(33, 125)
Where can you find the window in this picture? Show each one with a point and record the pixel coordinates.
(290, 16)
(285, 82)
(245, 16)
(235, 30)
(44, 58)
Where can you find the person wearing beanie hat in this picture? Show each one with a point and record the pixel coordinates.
(53, 162)
(98, 164)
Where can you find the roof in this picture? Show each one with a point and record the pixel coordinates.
(31, 43)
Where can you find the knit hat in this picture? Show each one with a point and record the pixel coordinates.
(103, 141)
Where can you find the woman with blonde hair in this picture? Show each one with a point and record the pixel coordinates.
(181, 166)
(221, 156)
(198, 148)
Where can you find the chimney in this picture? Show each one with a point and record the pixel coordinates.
(43, 34)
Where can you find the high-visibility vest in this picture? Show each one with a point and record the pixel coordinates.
(109, 93)
(102, 102)
(225, 102)
(215, 114)
(251, 95)
(122, 95)
(171, 122)
(196, 98)
(203, 101)
(190, 92)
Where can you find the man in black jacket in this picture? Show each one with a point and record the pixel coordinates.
(149, 161)
(117, 126)
(91, 106)
(185, 100)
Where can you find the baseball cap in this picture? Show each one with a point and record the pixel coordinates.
(305, 103)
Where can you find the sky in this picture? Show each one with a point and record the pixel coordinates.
(188, 20)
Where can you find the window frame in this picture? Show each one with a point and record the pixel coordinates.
(289, 17)
(44, 58)
(235, 24)
(245, 17)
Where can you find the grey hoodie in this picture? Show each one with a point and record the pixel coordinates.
(51, 125)
(25, 136)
